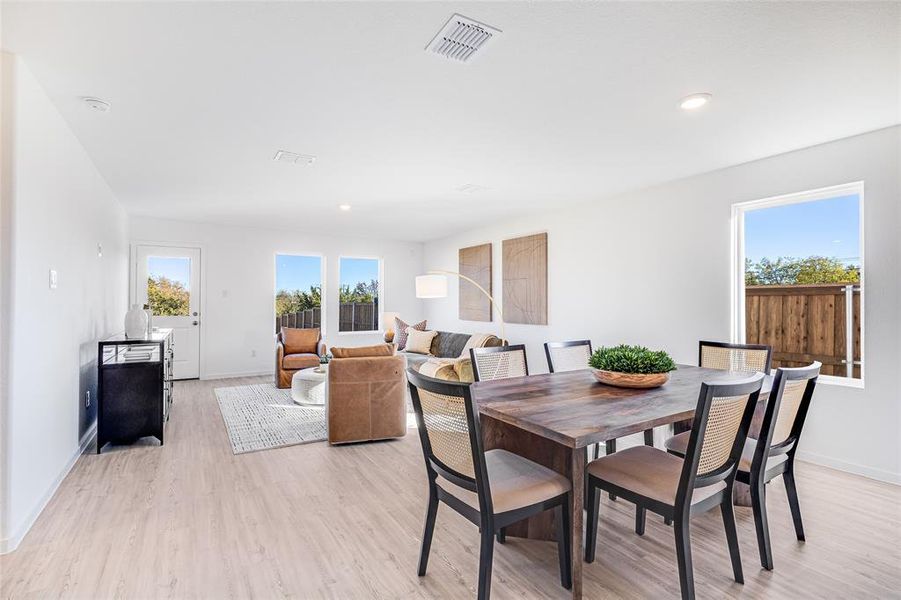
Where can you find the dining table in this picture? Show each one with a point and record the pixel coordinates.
(554, 418)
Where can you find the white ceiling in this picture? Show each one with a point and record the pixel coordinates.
(574, 102)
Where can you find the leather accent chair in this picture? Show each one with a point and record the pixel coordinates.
(367, 397)
(297, 349)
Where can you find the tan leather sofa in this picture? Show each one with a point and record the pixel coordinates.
(366, 394)
(297, 349)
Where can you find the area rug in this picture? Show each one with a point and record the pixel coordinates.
(262, 417)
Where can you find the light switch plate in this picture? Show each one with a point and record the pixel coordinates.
(54, 279)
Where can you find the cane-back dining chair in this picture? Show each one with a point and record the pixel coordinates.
(773, 453)
(499, 362)
(493, 488)
(737, 358)
(678, 488)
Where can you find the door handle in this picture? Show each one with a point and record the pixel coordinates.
(194, 322)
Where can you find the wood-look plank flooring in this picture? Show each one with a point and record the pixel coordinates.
(192, 520)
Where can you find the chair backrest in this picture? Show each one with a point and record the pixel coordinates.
(499, 362)
(567, 356)
(449, 432)
(719, 429)
(786, 411)
(747, 358)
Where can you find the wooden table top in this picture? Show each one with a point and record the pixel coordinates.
(573, 409)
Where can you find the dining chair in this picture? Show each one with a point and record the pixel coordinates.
(678, 488)
(572, 356)
(773, 453)
(741, 358)
(499, 362)
(492, 489)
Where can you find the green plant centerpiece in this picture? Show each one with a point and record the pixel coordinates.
(631, 366)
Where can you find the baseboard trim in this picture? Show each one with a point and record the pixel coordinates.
(206, 376)
(12, 542)
(849, 467)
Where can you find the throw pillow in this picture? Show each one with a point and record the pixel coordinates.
(419, 342)
(300, 341)
(364, 351)
(400, 329)
(476, 340)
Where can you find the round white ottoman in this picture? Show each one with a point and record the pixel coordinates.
(309, 387)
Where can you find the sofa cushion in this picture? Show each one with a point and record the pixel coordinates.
(400, 331)
(419, 342)
(449, 345)
(300, 341)
(364, 351)
(300, 361)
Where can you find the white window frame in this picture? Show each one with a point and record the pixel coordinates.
(322, 284)
(381, 275)
(738, 263)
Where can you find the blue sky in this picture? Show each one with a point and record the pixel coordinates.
(300, 272)
(176, 269)
(822, 228)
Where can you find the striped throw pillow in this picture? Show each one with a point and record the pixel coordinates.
(400, 331)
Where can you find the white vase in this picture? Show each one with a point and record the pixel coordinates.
(136, 323)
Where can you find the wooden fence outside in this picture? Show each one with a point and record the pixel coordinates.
(804, 323)
(352, 316)
(304, 319)
(358, 316)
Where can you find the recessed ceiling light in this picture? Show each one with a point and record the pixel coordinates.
(293, 157)
(96, 104)
(344, 207)
(695, 101)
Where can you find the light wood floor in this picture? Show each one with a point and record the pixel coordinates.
(191, 520)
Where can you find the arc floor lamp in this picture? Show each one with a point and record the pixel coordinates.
(434, 285)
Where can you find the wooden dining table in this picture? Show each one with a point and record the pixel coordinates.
(553, 418)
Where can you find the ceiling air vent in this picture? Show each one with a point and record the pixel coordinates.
(461, 38)
(293, 157)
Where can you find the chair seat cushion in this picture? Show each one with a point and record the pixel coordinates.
(649, 472)
(515, 482)
(300, 361)
(679, 443)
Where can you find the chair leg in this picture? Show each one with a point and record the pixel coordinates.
(667, 521)
(486, 559)
(683, 556)
(648, 437)
(430, 515)
(501, 535)
(640, 514)
(789, 478)
(564, 552)
(610, 448)
(591, 525)
(732, 538)
(758, 505)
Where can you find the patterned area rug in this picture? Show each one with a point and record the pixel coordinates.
(262, 417)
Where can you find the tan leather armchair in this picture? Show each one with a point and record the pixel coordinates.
(297, 349)
(367, 397)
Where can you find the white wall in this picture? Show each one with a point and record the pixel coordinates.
(653, 267)
(238, 272)
(58, 209)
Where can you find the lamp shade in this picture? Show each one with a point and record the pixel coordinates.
(431, 286)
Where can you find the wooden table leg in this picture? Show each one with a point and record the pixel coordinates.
(577, 495)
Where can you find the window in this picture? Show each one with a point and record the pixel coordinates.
(799, 279)
(359, 294)
(298, 291)
(169, 285)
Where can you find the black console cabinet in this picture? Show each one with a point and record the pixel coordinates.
(134, 387)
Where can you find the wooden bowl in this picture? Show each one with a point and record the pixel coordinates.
(631, 380)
